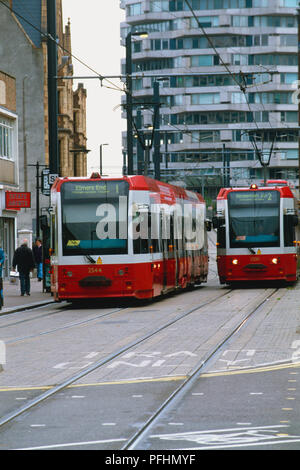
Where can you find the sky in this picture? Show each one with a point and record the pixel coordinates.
(95, 35)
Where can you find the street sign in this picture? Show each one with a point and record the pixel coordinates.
(15, 200)
(52, 177)
(45, 182)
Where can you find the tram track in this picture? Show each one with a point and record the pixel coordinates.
(105, 360)
(192, 377)
(64, 327)
(179, 392)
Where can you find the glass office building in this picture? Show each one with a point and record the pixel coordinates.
(227, 70)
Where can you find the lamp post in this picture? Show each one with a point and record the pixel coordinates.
(52, 87)
(101, 145)
(129, 97)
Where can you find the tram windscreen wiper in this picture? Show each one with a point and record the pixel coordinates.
(251, 250)
(90, 259)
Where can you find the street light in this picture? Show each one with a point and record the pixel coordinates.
(101, 145)
(129, 117)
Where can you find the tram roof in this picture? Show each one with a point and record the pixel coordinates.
(136, 183)
(285, 191)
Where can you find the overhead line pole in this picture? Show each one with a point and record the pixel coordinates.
(298, 18)
(52, 87)
(129, 105)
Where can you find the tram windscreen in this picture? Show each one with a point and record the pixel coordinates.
(94, 217)
(253, 218)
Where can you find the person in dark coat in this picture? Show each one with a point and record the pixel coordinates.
(38, 258)
(24, 261)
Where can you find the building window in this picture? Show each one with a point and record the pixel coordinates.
(205, 22)
(205, 98)
(6, 131)
(273, 21)
(289, 116)
(272, 97)
(159, 5)
(134, 9)
(289, 3)
(288, 78)
(204, 60)
(238, 98)
(205, 136)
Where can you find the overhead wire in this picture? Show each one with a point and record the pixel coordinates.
(49, 37)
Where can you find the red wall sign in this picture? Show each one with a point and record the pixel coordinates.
(16, 200)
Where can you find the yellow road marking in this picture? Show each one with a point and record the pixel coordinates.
(161, 379)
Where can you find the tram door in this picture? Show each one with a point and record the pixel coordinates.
(170, 268)
(164, 248)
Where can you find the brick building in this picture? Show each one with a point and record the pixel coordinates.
(9, 174)
(23, 24)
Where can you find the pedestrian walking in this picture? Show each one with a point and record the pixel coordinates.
(2, 258)
(38, 258)
(23, 260)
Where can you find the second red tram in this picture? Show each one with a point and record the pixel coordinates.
(125, 237)
(257, 234)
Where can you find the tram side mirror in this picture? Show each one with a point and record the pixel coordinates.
(208, 225)
(217, 222)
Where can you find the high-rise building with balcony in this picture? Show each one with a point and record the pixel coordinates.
(227, 72)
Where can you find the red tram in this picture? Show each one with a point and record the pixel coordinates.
(257, 233)
(125, 237)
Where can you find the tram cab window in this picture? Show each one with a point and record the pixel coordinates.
(254, 218)
(94, 217)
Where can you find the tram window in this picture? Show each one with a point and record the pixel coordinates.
(221, 237)
(254, 219)
(53, 244)
(153, 227)
(94, 217)
(141, 242)
(171, 241)
(289, 229)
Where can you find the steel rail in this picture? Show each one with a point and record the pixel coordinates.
(65, 327)
(194, 375)
(66, 383)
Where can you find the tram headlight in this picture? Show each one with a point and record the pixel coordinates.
(275, 260)
(235, 261)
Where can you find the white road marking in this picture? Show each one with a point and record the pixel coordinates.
(91, 355)
(181, 353)
(73, 444)
(232, 437)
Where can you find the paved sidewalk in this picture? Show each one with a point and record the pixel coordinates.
(13, 301)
